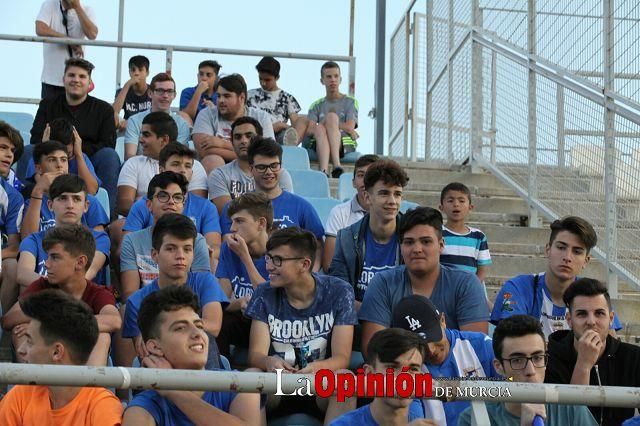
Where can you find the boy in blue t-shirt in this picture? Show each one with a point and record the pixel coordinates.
(51, 160)
(68, 203)
(174, 337)
(302, 322)
(242, 266)
(173, 241)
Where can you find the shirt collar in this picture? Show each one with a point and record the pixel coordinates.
(355, 205)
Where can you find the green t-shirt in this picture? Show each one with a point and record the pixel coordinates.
(557, 415)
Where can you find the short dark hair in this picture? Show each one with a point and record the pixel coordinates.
(266, 147)
(14, 136)
(61, 130)
(387, 171)
(515, 326)
(363, 161)
(420, 216)
(211, 64)
(588, 287)
(174, 224)
(160, 77)
(139, 61)
(327, 65)
(247, 120)
(578, 227)
(300, 240)
(43, 149)
(164, 179)
(80, 63)
(168, 299)
(65, 319)
(162, 124)
(75, 239)
(175, 148)
(67, 183)
(257, 204)
(233, 83)
(269, 65)
(455, 186)
(388, 344)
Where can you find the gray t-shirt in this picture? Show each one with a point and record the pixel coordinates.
(136, 255)
(459, 294)
(230, 180)
(210, 122)
(346, 108)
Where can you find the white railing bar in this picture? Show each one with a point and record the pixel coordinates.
(499, 9)
(452, 55)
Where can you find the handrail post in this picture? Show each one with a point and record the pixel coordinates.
(532, 134)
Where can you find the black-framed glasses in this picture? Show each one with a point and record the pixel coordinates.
(164, 197)
(277, 260)
(520, 362)
(161, 92)
(262, 168)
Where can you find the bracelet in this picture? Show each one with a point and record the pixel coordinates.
(36, 198)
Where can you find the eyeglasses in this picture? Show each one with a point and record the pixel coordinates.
(274, 167)
(520, 362)
(277, 260)
(161, 92)
(164, 197)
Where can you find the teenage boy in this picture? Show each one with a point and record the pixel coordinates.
(70, 250)
(265, 162)
(51, 161)
(242, 266)
(11, 209)
(331, 132)
(69, 204)
(163, 92)
(235, 178)
(520, 351)
(464, 247)
(540, 295)
(166, 194)
(193, 99)
(394, 349)
(281, 106)
(60, 331)
(158, 130)
(61, 130)
(92, 118)
(134, 95)
(587, 354)
(349, 212)
(174, 337)
(212, 128)
(450, 353)
(172, 249)
(370, 245)
(458, 294)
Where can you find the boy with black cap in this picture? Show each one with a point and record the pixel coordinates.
(450, 353)
(280, 105)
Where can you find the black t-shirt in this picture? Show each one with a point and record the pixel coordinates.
(134, 104)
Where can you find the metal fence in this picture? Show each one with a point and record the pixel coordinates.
(545, 95)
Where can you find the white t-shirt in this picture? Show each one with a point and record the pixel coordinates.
(138, 171)
(343, 215)
(54, 55)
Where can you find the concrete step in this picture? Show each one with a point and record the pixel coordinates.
(518, 248)
(515, 235)
(482, 204)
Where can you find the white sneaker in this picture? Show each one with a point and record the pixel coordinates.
(290, 137)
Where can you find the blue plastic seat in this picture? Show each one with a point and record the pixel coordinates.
(408, 205)
(103, 197)
(323, 206)
(26, 137)
(346, 191)
(120, 148)
(22, 121)
(295, 158)
(351, 157)
(310, 183)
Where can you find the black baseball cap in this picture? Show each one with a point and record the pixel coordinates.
(418, 314)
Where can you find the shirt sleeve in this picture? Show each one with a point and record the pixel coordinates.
(13, 405)
(185, 97)
(225, 221)
(210, 291)
(338, 267)
(34, 287)
(293, 107)
(222, 271)
(184, 132)
(30, 244)
(138, 217)
(106, 128)
(484, 257)
(103, 244)
(285, 181)
(201, 256)
(351, 112)
(47, 12)
(132, 132)
(511, 300)
(129, 174)
(128, 255)
(346, 310)
(471, 305)
(14, 213)
(96, 215)
(217, 185)
(256, 308)
(376, 304)
(209, 219)
(204, 122)
(267, 127)
(149, 401)
(130, 324)
(199, 177)
(102, 298)
(106, 410)
(335, 221)
(313, 114)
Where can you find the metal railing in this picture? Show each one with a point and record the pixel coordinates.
(544, 95)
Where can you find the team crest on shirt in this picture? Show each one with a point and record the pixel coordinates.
(507, 302)
(470, 372)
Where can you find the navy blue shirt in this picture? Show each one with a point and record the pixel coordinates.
(377, 258)
(231, 267)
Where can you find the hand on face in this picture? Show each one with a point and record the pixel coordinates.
(589, 347)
